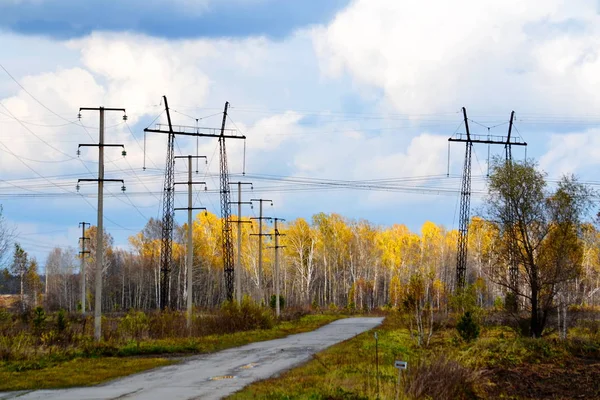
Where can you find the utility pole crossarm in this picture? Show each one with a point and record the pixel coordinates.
(178, 157)
(464, 138)
(101, 108)
(100, 180)
(213, 135)
(103, 145)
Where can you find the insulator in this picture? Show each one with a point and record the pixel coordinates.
(79, 116)
(123, 188)
(78, 152)
(125, 117)
(271, 204)
(205, 188)
(77, 187)
(123, 153)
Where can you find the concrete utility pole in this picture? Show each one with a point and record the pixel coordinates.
(82, 254)
(100, 225)
(277, 247)
(260, 241)
(190, 244)
(238, 262)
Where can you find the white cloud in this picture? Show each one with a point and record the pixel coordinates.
(572, 153)
(433, 56)
(426, 57)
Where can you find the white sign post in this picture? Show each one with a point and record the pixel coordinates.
(400, 365)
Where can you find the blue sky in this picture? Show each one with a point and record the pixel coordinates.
(355, 91)
(180, 19)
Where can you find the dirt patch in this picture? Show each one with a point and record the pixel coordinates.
(578, 378)
(8, 301)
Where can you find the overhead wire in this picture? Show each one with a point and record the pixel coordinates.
(32, 96)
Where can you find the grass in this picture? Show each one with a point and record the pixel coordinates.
(344, 371)
(103, 361)
(448, 368)
(77, 372)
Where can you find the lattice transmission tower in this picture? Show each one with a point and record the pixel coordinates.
(465, 192)
(169, 192)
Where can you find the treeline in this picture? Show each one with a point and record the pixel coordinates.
(329, 261)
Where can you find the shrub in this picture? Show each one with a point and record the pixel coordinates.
(234, 317)
(134, 325)
(164, 324)
(441, 378)
(498, 304)
(511, 303)
(61, 321)
(39, 320)
(467, 327)
(273, 302)
(17, 347)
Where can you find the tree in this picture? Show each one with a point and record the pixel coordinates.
(544, 229)
(33, 283)
(19, 268)
(62, 289)
(301, 249)
(6, 235)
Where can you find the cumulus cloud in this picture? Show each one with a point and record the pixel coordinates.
(572, 153)
(402, 57)
(436, 56)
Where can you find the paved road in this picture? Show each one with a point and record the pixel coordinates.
(214, 376)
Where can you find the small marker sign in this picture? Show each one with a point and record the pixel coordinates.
(401, 364)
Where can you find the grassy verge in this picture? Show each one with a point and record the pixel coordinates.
(96, 363)
(497, 365)
(77, 372)
(344, 371)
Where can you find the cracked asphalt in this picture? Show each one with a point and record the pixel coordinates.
(217, 375)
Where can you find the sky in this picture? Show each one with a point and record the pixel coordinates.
(347, 106)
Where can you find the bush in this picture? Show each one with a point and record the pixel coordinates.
(441, 378)
(511, 303)
(39, 320)
(467, 327)
(273, 302)
(234, 317)
(61, 321)
(134, 325)
(167, 323)
(16, 347)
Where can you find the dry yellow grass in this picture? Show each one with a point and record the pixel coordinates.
(78, 372)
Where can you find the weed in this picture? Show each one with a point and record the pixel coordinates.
(440, 378)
